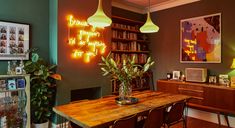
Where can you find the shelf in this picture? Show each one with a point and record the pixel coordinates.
(126, 40)
(128, 51)
(125, 29)
(19, 89)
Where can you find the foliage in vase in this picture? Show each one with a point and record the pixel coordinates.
(43, 81)
(126, 71)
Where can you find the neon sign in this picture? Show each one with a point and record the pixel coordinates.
(85, 40)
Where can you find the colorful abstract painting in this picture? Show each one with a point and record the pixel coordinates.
(201, 39)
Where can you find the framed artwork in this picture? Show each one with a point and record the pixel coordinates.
(14, 41)
(200, 39)
(176, 75)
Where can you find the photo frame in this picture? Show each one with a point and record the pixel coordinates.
(18, 70)
(176, 75)
(11, 84)
(14, 41)
(212, 79)
(200, 39)
(21, 83)
(224, 79)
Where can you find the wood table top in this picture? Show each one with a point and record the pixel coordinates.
(104, 111)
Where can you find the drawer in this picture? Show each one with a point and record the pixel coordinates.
(192, 87)
(196, 100)
(191, 92)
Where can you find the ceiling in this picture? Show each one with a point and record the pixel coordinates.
(141, 6)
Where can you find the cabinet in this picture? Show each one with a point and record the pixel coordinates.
(127, 41)
(15, 101)
(208, 97)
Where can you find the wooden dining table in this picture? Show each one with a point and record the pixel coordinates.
(102, 112)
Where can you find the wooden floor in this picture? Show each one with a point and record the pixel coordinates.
(196, 123)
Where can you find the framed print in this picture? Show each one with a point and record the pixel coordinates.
(11, 84)
(176, 75)
(21, 83)
(200, 39)
(212, 80)
(223, 79)
(14, 41)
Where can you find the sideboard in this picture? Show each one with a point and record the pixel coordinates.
(207, 97)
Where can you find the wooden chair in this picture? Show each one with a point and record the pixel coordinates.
(155, 119)
(175, 114)
(128, 122)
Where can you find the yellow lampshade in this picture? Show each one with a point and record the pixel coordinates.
(233, 64)
(99, 19)
(149, 26)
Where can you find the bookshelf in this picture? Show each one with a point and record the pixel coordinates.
(14, 101)
(127, 41)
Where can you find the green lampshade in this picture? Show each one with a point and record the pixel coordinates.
(233, 64)
(99, 19)
(149, 26)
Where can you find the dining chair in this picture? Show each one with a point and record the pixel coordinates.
(128, 122)
(155, 119)
(175, 114)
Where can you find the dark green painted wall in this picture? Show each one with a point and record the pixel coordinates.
(165, 44)
(33, 12)
(75, 73)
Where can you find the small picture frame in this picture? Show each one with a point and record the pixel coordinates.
(212, 80)
(21, 83)
(11, 84)
(176, 75)
(223, 79)
(18, 70)
(2, 84)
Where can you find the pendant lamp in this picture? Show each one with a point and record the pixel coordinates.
(149, 26)
(99, 19)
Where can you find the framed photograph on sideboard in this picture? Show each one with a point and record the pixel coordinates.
(14, 41)
(200, 39)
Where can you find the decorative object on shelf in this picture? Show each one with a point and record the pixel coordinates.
(200, 39)
(14, 41)
(232, 79)
(223, 79)
(3, 84)
(11, 84)
(233, 64)
(86, 41)
(21, 83)
(176, 75)
(43, 82)
(169, 76)
(125, 72)
(99, 19)
(212, 80)
(149, 26)
(182, 77)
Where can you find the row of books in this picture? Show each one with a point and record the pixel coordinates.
(123, 26)
(139, 58)
(124, 35)
(132, 46)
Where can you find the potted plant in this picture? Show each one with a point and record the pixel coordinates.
(125, 72)
(42, 81)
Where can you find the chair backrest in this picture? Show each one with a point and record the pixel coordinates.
(128, 122)
(155, 118)
(176, 112)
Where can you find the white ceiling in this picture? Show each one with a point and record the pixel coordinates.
(141, 6)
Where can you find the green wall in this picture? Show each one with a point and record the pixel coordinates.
(165, 44)
(75, 73)
(33, 12)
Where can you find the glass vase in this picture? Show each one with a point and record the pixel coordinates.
(125, 91)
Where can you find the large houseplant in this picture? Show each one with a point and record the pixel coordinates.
(42, 80)
(125, 72)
